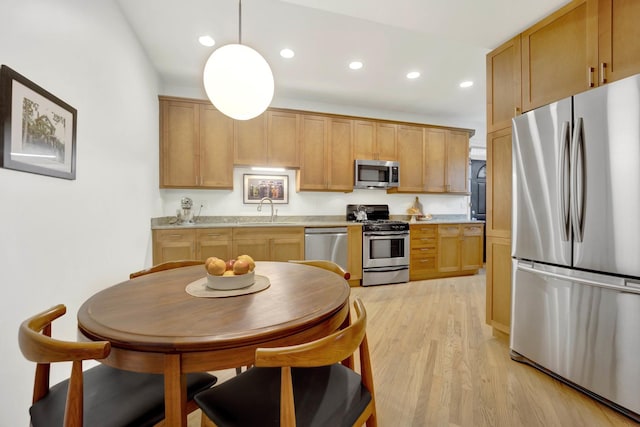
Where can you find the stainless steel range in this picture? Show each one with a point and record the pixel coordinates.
(385, 245)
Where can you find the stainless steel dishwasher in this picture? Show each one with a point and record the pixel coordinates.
(328, 243)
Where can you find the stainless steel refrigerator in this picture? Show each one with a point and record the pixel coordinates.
(576, 242)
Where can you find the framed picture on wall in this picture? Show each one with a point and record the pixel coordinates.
(37, 129)
(275, 187)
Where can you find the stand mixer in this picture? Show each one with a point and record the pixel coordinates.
(185, 215)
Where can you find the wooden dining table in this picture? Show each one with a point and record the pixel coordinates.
(155, 326)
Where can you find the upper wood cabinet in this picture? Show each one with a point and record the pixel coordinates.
(559, 55)
(271, 139)
(251, 141)
(618, 39)
(374, 140)
(504, 99)
(282, 139)
(314, 133)
(446, 161)
(325, 148)
(411, 159)
(196, 145)
(341, 169)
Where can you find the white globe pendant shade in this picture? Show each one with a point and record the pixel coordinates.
(238, 81)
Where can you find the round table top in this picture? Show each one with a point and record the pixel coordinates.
(155, 313)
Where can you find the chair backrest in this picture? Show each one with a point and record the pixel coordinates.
(36, 344)
(166, 266)
(327, 265)
(331, 349)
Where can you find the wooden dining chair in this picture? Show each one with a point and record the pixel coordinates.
(327, 265)
(302, 385)
(166, 266)
(98, 397)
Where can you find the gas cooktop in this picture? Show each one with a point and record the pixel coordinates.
(374, 218)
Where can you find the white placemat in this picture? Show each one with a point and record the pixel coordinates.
(198, 288)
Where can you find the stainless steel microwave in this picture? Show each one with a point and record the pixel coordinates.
(376, 174)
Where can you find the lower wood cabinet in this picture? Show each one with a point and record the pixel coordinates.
(261, 243)
(444, 250)
(269, 243)
(173, 244)
(498, 300)
(354, 254)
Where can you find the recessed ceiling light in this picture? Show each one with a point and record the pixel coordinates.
(413, 74)
(467, 83)
(206, 41)
(355, 65)
(287, 53)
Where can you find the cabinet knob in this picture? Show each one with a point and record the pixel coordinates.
(590, 71)
(603, 69)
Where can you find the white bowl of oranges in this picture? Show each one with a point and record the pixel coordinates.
(230, 275)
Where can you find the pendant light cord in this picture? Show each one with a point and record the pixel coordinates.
(239, 21)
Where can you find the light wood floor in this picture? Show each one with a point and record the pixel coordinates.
(436, 363)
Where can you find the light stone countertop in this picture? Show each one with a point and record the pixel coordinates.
(170, 222)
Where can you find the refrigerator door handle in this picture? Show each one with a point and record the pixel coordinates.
(564, 182)
(577, 181)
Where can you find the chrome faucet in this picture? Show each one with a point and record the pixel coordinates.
(270, 201)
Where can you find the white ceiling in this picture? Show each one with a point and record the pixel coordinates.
(446, 40)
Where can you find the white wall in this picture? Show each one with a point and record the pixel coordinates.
(62, 241)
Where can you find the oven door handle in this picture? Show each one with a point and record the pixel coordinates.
(380, 236)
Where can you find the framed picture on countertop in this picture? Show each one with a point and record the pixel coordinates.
(257, 187)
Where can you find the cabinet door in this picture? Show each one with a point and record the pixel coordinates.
(498, 300)
(457, 166)
(178, 143)
(471, 247)
(559, 55)
(257, 248)
(504, 99)
(619, 39)
(251, 141)
(411, 158)
(340, 165)
(499, 184)
(173, 245)
(286, 248)
(448, 248)
(434, 162)
(214, 242)
(314, 151)
(354, 257)
(364, 140)
(385, 146)
(282, 139)
(216, 149)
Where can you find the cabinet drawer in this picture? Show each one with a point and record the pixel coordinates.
(422, 263)
(174, 235)
(421, 251)
(214, 233)
(423, 231)
(448, 230)
(472, 230)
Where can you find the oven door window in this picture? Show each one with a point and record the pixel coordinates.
(382, 251)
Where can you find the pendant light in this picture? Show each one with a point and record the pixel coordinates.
(238, 80)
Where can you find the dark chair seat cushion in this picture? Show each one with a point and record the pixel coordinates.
(114, 398)
(324, 396)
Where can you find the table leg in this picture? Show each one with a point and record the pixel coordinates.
(175, 392)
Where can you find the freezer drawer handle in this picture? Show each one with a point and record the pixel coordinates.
(572, 278)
